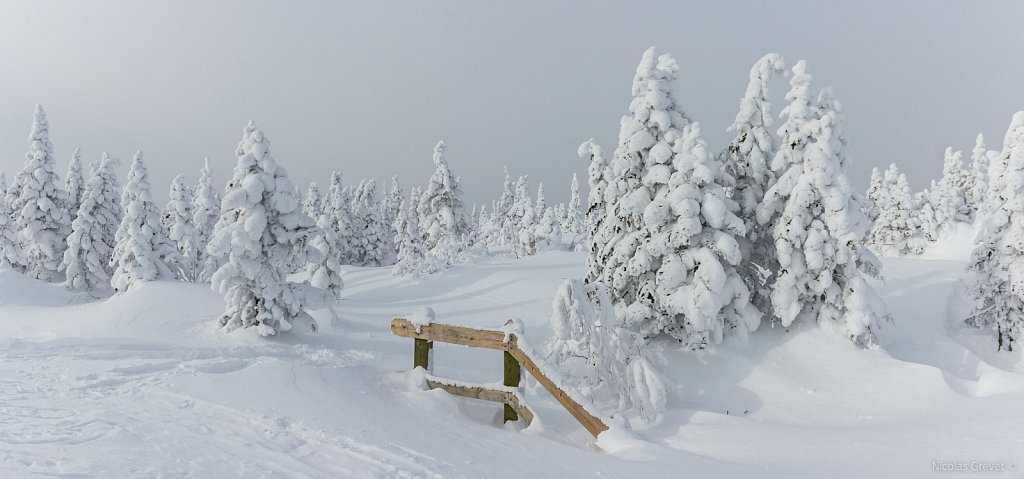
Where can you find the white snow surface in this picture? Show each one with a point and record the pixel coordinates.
(145, 384)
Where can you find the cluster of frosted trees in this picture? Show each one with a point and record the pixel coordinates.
(987, 194)
(526, 225)
(93, 235)
(906, 223)
(698, 246)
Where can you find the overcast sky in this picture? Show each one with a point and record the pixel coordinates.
(368, 88)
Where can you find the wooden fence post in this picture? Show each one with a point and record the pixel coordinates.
(421, 353)
(512, 374)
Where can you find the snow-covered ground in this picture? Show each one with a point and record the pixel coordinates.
(144, 385)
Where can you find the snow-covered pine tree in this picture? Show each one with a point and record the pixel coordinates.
(548, 232)
(337, 203)
(111, 210)
(143, 252)
(817, 224)
(371, 247)
(948, 196)
(746, 159)
(326, 273)
(43, 223)
(74, 183)
(573, 219)
(875, 195)
(411, 257)
(91, 242)
(440, 214)
(895, 231)
(205, 212)
(178, 219)
(10, 247)
(526, 233)
(927, 225)
(998, 260)
(541, 203)
(979, 176)
(598, 175)
(311, 205)
(502, 210)
(390, 209)
(264, 234)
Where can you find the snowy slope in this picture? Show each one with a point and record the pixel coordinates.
(144, 385)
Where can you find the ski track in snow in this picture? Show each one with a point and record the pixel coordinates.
(110, 393)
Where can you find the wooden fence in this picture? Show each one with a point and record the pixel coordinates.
(515, 360)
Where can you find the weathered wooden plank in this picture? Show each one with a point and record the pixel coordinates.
(591, 423)
(446, 333)
(475, 392)
(512, 375)
(509, 399)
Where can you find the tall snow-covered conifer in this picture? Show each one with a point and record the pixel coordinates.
(440, 214)
(998, 261)
(41, 218)
(573, 221)
(598, 175)
(746, 159)
(74, 183)
(178, 219)
(264, 234)
(143, 252)
(979, 175)
(91, 242)
(311, 204)
(816, 223)
(205, 212)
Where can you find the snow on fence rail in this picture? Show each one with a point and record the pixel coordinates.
(516, 359)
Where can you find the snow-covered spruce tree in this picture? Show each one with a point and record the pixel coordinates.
(875, 195)
(411, 257)
(502, 211)
(390, 209)
(746, 159)
(548, 232)
(979, 176)
(573, 219)
(598, 357)
(598, 176)
(337, 204)
(541, 203)
(178, 220)
(205, 212)
(263, 233)
(895, 231)
(949, 195)
(91, 242)
(646, 137)
(43, 223)
(74, 183)
(143, 252)
(817, 224)
(371, 246)
(526, 233)
(326, 273)
(927, 225)
(669, 247)
(311, 205)
(440, 214)
(998, 261)
(487, 230)
(10, 247)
